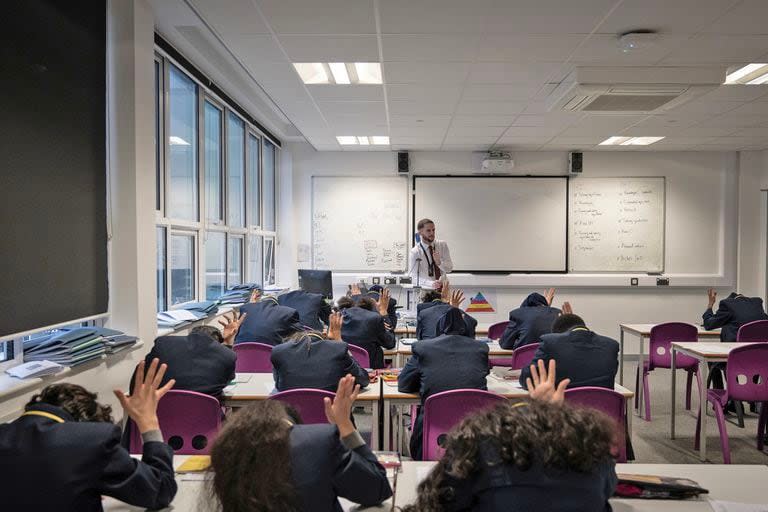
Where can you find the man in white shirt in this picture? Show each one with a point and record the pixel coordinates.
(430, 259)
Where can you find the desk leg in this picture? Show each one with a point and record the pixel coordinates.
(639, 389)
(674, 395)
(621, 357)
(387, 425)
(628, 414)
(704, 369)
(375, 425)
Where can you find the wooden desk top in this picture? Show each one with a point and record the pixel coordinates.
(645, 330)
(493, 349)
(259, 386)
(480, 329)
(709, 350)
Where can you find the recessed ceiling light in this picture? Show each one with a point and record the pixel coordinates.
(752, 74)
(368, 72)
(339, 73)
(312, 72)
(347, 140)
(177, 141)
(380, 140)
(363, 140)
(629, 141)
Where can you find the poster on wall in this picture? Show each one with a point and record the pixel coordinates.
(481, 303)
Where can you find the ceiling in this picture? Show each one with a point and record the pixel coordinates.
(474, 75)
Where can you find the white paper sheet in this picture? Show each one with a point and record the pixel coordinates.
(731, 506)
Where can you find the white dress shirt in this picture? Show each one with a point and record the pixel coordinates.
(419, 270)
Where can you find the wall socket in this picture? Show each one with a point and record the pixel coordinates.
(662, 281)
(634, 281)
(405, 280)
(390, 280)
(376, 280)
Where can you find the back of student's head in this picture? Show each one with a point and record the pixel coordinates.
(452, 322)
(210, 331)
(430, 295)
(251, 458)
(533, 300)
(567, 322)
(345, 303)
(80, 403)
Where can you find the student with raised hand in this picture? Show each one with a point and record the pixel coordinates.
(313, 309)
(364, 324)
(433, 307)
(312, 360)
(268, 322)
(536, 455)
(64, 452)
(448, 361)
(530, 321)
(732, 312)
(264, 459)
(375, 292)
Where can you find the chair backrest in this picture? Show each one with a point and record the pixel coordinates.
(662, 335)
(747, 374)
(360, 355)
(307, 402)
(496, 330)
(443, 411)
(253, 357)
(523, 356)
(753, 331)
(610, 403)
(188, 420)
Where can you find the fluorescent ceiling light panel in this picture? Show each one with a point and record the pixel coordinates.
(368, 72)
(629, 141)
(347, 140)
(380, 140)
(177, 141)
(363, 141)
(312, 72)
(749, 74)
(339, 71)
(613, 141)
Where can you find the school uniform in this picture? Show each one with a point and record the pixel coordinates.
(581, 355)
(366, 329)
(313, 310)
(314, 362)
(325, 468)
(267, 322)
(529, 322)
(733, 312)
(428, 315)
(422, 266)
(51, 462)
(391, 307)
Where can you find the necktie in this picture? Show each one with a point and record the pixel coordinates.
(435, 268)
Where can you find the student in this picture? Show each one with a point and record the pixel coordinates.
(366, 328)
(264, 459)
(64, 452)
(530, 321)
(375, 292)
(268, 322)
(449, 361)
(310, 360)
(434, 306)
(312, 307)
(583, 357)
(537, 455)
(733, 312)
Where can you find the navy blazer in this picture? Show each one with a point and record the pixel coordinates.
(323, 470)
(391, 307)
(316, 363)
(69, 465)
(733, 312)
(197, 362)
(313, 310)
(267, 322)
(583, 356)
(527, 325)
(366, 329)
(428, 315)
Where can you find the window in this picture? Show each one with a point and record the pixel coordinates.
(254, 177)
(182, 147)
(255, 266)
(6, 351)
(269, 260)
(215, 256)
(212, 156)
(235, 171)
(162, 274)
(269, 186)
(158, 131)
(182, 268)
(235, 265)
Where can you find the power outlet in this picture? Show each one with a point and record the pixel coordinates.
(662, 281)
(390, 280)
(405, 280)
(376, 280)
(633, 281)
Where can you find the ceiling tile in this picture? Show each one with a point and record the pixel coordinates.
(454, 140)
(413, 131)
(532, 131)
(667, 17)
(489, 107)
(755, 131)
(331, 48)
(717, 49)
(424, 121)
(457, 131)
(466, 147)
(346, 92)
(547, 16)
(230, 16)
(736, 93)
(433, 16)
(425, 93)
(561, 119)
(500, 92)
(483, 120)
(426, 72)
(351, 108)
(429, 47)
(326, 17)
(527, 47)
(604, 50)
(254, 48)
(577, 140)
(601, 125)
(524, 140)
(396, 139)
(511, 73)
(419, 108)
(748, 17)
(755, 108)
(705, 130)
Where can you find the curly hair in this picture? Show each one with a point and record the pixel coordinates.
(80, 403)
(431, 295)
(556, 436)
(210, 331)
(366, 303)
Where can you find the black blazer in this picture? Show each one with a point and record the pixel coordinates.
(267, 322)
(733, 312)
(315, 363)
(313, 310)
(197, 362)
(69, 465)
(366, 329)
(527, 325)
(323, 470)
(583, 356)
(391, 307)
(428, 315)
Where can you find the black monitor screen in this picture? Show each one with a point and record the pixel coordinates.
(316, 281)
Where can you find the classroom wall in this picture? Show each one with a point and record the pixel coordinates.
(753, 222)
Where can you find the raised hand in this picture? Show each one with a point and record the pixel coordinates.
(541, 383)
(550, 296)
(383, 302)
(445, 291)
(567, 309)
(334, 326)
(712, 296)
(230, 326)
(141, 406)
(255, 295)
(457, 297)
(339, 410)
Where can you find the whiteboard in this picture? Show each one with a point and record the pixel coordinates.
(359, 224)
(498, 223)
(616, 225)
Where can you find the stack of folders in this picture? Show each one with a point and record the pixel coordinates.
(202, 309)
(175, 318)
(68, 348)
(34, 369)
(115, 344)
(238, 294)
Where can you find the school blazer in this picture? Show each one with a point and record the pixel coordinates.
(67, 466)
(429, 314)
(366, 329)
(314, 363)
(583, 356)
(527, 325)
(323, 470)
(391, 307)
(733, 312)
(268, 322)
(313, 310)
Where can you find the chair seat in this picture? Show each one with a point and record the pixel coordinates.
(647, 366)
(718, 395)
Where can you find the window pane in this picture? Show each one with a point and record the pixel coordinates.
(182, 268)
(255, 266)
(182, 146)
(161, 270)
(236, 170)
(213, 162)
(215, 256)
(269, 261)
(158, 175)
(254, 174)
(269, 186)
(235, 267)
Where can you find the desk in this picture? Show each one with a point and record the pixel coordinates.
(408, 330)
(404, 351)
(739, 483)
(705, 352)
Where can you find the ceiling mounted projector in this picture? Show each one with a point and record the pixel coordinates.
(497, 161)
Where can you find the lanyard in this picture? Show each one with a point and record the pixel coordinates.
(45, 415)
(430, 264)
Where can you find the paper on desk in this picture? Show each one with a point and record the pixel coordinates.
(242, 377)
(731, 506)
(421, 474)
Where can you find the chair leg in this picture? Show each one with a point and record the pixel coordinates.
(761, 425)
(637, 386)
(739, 413)
(724, 445)
(702, 389)
(688, 385)
(697, 435)
(647, 395)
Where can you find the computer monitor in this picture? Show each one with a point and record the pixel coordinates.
(316, 281)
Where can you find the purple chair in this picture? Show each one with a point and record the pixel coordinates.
(360, 355)
(523, 356)
(189, 422)
(609, 402)
(443, 411)
(307, 402)
(496, 330)
(747, 380)
(253, 357)
(660, 356)
(753, 331)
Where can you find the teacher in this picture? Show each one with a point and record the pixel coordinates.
(430, 259)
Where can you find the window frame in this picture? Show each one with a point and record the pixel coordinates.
(203, 206)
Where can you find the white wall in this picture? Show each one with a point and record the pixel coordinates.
(753, 224)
